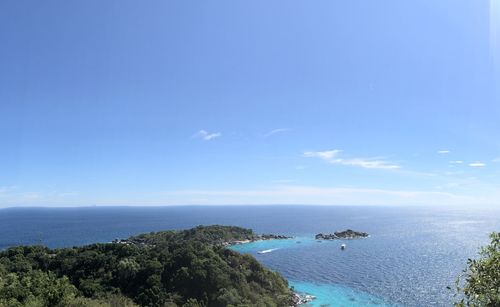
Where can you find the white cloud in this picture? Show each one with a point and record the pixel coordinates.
(325, 155)
(332, 156)
(457, 162)
(377, 164)
(275, 131)
(203, 134)
(477, 164)
(443, 152)
(496, 160)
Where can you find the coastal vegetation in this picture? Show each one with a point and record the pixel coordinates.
(189, 268)
(481, 279)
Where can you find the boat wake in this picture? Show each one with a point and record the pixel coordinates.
(267, 251)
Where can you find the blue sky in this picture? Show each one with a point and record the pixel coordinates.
(383, 102)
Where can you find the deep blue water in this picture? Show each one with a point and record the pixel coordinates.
(409, 259)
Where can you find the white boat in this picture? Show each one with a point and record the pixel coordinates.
(342, 247)
(266, 251)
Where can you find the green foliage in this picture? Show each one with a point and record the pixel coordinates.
(109, 301)
(482, 277)
(35, 288)
(186, 268)
(213, 235)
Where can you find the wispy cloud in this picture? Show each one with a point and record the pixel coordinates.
(477, 164)
(325, 155)
(207, 136)
(275, 131)
(497, 160)
(457, 162)
(443, 152)
(332, 156)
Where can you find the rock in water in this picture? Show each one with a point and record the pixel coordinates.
(346, 234)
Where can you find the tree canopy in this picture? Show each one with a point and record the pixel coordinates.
(481, 279)
(172, 268)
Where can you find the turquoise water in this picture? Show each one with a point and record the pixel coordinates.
(336, 295)
(254, 247)
(410, 258)
(326, 294)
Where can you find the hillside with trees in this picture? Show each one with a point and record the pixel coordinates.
(173, 268)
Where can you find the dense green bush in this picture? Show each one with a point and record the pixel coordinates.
(186, 268)
(481, 279)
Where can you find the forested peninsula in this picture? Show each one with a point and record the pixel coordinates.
(189, 268)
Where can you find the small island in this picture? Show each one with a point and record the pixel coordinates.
(273, 237)
(342, 235)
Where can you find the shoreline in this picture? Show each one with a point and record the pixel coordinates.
(298, 298)
(266, 237)
(302, 298)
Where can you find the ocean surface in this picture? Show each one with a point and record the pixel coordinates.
(411, 256)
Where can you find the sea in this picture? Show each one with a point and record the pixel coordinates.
(412, 255)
